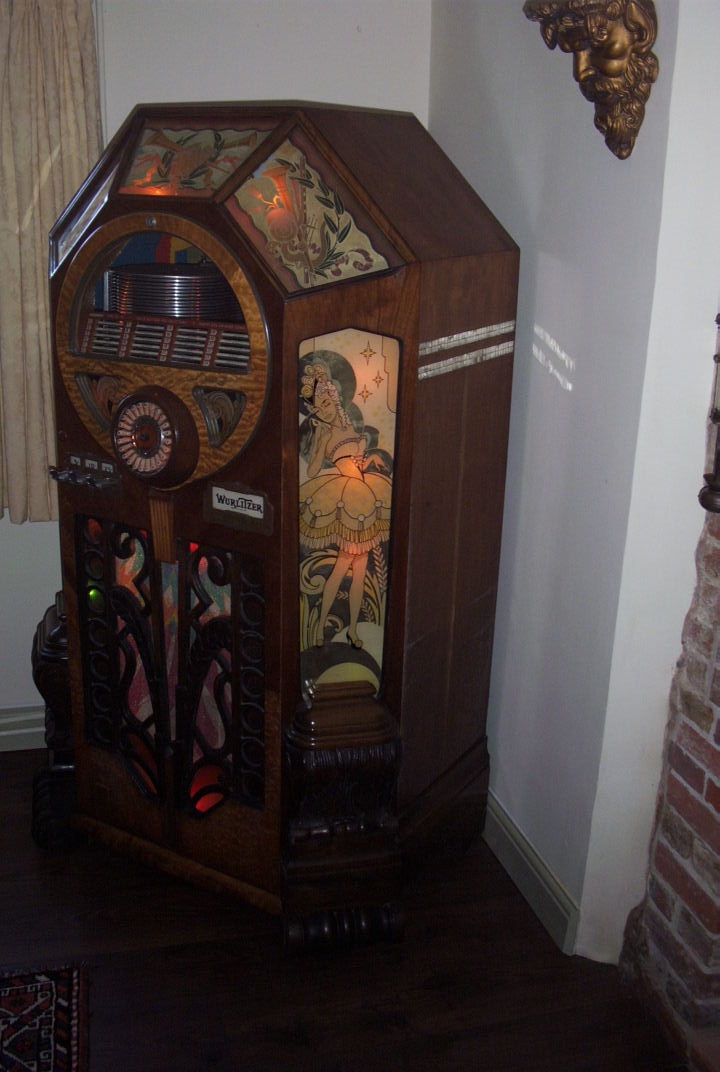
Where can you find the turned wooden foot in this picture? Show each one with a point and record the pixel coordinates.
(343, 928)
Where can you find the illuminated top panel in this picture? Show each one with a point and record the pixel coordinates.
(186, 161)
(315, 194)
(298, 218)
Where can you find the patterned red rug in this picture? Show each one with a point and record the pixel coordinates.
(44, 1021)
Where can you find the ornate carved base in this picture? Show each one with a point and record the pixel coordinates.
(342, 867)
(50, 674)
(342, 756)
(54, 795)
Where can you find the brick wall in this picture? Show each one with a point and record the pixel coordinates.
(672, 940)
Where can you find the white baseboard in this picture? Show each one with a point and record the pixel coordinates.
(549, 900)
(22, 728)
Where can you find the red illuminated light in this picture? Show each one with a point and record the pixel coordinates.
(205, 791)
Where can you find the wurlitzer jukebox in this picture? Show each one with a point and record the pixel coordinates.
(283, 343)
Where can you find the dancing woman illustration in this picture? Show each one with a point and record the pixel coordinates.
(343, 503)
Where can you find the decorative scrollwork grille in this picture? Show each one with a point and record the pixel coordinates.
(221, 684)
(173, 661)
(123, 669)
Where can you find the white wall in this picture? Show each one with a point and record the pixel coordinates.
(665, 520)
(589, 630)
(363, 52)
(29, 579)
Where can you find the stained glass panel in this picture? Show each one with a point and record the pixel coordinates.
(301, 222)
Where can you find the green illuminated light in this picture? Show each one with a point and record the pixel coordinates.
(96, 600)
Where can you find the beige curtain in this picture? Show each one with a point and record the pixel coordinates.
(50, 129)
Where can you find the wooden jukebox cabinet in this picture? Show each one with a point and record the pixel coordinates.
(283, 348)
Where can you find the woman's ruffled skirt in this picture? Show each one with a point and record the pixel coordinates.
(348, 512)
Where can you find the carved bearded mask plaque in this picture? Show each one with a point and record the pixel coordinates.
(611, 42)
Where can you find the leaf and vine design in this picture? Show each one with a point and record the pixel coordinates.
(305, 222)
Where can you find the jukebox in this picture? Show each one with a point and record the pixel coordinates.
(283, 341)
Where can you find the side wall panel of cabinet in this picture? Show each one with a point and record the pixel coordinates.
(461, 427)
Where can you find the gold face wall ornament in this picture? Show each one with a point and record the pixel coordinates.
(611, 42)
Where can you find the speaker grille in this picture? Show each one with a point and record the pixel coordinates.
(223, 346)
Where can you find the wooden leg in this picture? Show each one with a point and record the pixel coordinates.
(54, 795)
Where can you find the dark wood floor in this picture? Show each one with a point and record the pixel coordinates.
(182, 980)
